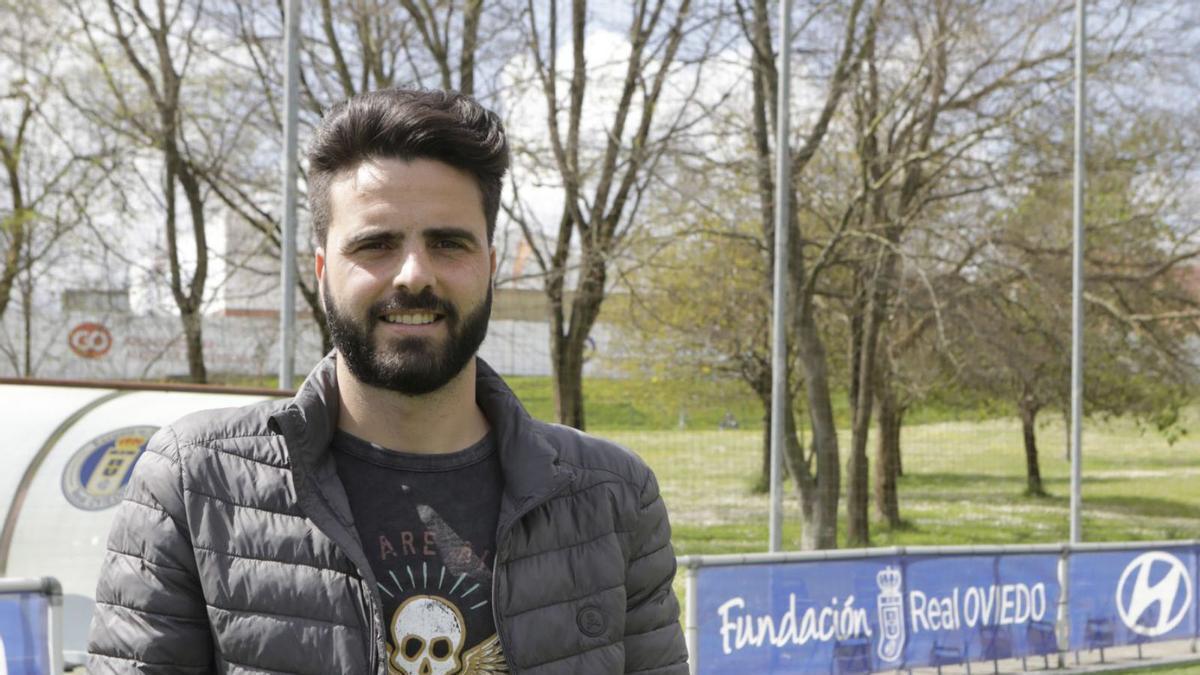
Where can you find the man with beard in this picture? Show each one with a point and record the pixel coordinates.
(403, 513)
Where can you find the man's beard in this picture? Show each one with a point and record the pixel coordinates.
(409, 365)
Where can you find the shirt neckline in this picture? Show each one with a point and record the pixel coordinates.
(413, 461)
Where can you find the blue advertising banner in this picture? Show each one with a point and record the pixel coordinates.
(1132, 596)
(875, 614)
(979, 607)
(24, 638)
(807, 617)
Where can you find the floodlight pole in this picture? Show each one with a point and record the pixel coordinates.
(783, 191)
(1077, 280)
(287, 249)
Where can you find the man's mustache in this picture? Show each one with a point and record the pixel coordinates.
(404, 301)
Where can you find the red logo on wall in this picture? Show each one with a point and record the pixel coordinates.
(90, 340)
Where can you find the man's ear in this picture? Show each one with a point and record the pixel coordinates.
(493, 257)
(319, 263)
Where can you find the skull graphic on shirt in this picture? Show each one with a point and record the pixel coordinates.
(428, 635)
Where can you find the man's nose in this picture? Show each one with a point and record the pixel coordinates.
(414, 273)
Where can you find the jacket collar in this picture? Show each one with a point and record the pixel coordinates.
(311, 417)
(529, 461)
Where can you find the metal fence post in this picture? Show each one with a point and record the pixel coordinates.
(691, 627)
(49, 588)
(287, 221)
(1063, 618)
(53, 591)
(779, 370)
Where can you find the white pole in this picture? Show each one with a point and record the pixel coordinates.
(54, 621)
(1077, 281)
(692, 619)
(1062, 621)
(287, 250)
(783, 190)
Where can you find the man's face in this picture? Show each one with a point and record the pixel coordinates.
(406, 272)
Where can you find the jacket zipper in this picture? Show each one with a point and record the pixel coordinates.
(496, 614)
(501, 539)
(313, 490)
(371, 641)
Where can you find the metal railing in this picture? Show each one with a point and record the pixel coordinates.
(52, 590)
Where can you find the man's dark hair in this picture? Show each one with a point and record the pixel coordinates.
(407, 124)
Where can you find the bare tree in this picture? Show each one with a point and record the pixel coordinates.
(725, 221)
(157, 45)
(603, 186)
(816, 473)
(943, 127)
(48, 173)
(917, 139)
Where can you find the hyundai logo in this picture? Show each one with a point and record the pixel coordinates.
(1154, 593)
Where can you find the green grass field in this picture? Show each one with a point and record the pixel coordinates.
(1166, 670)
(963, 484)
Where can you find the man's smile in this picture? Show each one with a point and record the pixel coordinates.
(419, 318)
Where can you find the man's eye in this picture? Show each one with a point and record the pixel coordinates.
(371, 246)
(448, 243)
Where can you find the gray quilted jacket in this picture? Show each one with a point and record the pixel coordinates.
(235, 551)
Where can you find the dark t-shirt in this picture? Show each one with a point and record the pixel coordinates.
(428, 526)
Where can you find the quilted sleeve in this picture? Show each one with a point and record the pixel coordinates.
(654, 641)
(150, 613)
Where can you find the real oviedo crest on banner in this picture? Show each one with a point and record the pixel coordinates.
(96, 474)
(890, 603)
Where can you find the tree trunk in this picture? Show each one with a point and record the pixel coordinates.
(862, 391)
(567, 348)
(763, 484)
(887, 457)
(1033, 474)
(820, 530)
(814, 533)
(795, 465)
(818, 491)
(879, 289)
(470, 39)
(760, 75)
(27, 322)
(15, 223)
(193, 335)
(192, 311)
(568, 381)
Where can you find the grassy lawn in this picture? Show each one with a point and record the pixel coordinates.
(964, 484)
(964, 467)
(1165, 670)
